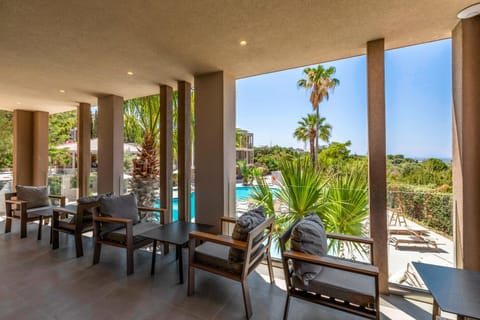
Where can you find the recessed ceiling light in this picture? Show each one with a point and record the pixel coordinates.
(243, 43)
(469, 12)
(19, 103)
(130, 73)
(61, 91)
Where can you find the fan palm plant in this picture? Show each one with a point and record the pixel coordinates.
(301, 190)
(346, 209)
(319, 82)
(307, 131)
(262, 195)
(246, 171)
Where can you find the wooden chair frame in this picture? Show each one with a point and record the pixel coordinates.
(130, 246)
(79, 224)
(332, 262)
(253, 257)
(12, 204)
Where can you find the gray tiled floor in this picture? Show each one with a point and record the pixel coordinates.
(39, 283)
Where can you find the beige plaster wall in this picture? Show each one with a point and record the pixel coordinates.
(377, 172)
(30, 147)
(214, 147)
(84, 124)
(110, 144)
(466, 143)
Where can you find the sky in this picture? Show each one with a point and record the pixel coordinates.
(418, 83)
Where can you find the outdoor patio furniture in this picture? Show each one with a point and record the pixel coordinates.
(175, 233)
(453, 290)
(397, 217)
(74, 219)
(117, 221)
(29, 203)
(409, 235)
(229, 257)
(343, 284)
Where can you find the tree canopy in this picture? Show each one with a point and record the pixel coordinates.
(6, 139)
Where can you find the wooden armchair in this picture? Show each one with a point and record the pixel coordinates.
(20, 206)
(342, 284)
(117, 221)
(75, 220)
(214, 256)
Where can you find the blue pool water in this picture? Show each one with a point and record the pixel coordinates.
(242, 193)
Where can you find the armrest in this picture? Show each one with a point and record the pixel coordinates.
(345, 237)
(226, 241)
(228, 219)
(336, 263)
(151, 209)
(61, 198)
(159, 210)
(57, 211)
(12, 201)
(64, 210)
(112, 220)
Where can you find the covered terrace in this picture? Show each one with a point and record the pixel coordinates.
(65, 55)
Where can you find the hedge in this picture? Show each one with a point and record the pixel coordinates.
(428, 206)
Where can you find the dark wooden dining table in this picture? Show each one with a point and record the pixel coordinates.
(454, 290)
(175, 233)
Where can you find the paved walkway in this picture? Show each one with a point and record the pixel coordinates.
(400, 257)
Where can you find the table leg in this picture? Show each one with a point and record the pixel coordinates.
(435, 309)
(459, 317)
(154, 256)
(180, 262)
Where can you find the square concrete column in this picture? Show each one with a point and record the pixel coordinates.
(30, 148)
(184, 150)
(166, 150)
(214, 147)
(110, 144)
(84, 125)
(40, 148)
(466, 142)
(377, 168)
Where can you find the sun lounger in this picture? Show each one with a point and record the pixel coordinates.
(406, 235)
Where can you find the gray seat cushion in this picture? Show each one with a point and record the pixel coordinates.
(216, 256)
(344, 285)
(308, 236)
(69, 224)
(124, 206)
(246, 223)
(40, 211)
(35, 196)
(119, 235)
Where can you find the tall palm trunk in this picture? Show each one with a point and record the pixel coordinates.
(315, 156)
(312, 150)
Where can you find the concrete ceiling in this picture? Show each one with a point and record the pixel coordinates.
(86, 47)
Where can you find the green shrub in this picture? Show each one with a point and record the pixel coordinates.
(55, 184)
(426, 205)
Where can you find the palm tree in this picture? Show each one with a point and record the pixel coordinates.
(142, 125)
(246, 171)
(142, 115)
(319, 83)
(307, 131)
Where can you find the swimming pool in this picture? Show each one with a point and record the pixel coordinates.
(242, 193)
